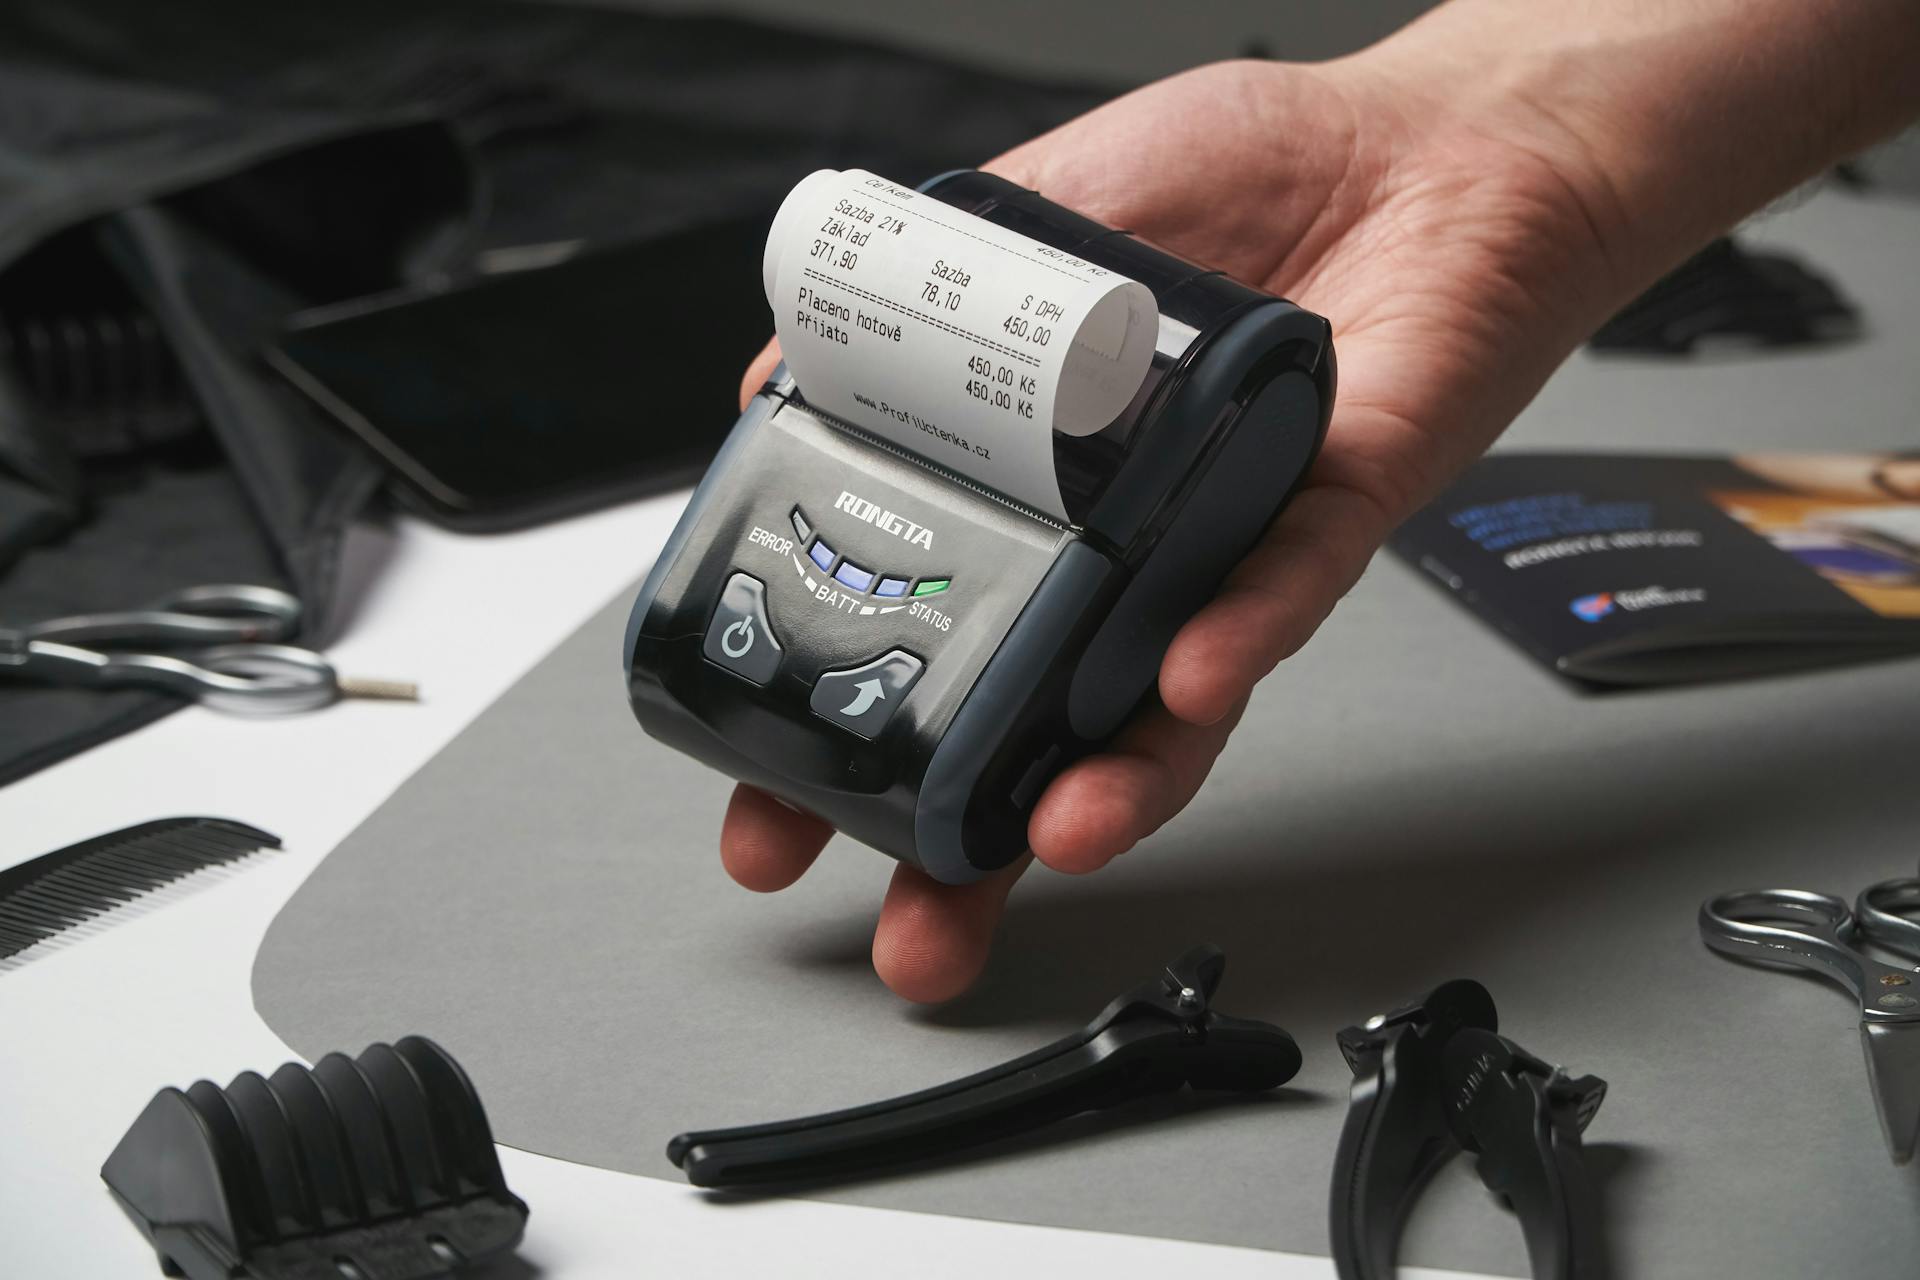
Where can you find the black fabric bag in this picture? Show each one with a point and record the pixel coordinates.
(175, 180)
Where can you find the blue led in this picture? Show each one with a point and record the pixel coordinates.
(891, 587)
(852, 575)
(821, 554)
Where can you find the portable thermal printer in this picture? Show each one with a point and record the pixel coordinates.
(884, 642)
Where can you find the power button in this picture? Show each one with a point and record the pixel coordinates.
(739, 637)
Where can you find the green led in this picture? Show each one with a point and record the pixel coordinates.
(929, 587)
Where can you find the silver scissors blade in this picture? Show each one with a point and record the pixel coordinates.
(1814, 931)
(1893, 1069)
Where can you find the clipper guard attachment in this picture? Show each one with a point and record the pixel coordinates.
(380, 1167)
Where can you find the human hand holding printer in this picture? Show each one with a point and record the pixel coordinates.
(1466, 201)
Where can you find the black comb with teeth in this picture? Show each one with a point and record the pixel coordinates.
(52, 893)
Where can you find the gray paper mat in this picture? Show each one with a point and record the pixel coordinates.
(1408, 800)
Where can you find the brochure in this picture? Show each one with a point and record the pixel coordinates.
(1639, 570)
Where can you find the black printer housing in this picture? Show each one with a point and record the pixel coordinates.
(1045, 636)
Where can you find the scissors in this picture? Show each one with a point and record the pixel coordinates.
(1791, 928)
(232, 634)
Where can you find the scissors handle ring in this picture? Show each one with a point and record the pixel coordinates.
(1885, 912)
(196, 616)
(1793, 928)
(274, 609)
(1786, 927)
(1779, 914)
(269, 678)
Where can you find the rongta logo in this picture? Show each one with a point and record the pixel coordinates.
(880, 518)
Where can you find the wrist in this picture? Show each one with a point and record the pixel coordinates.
(1667, 121)
(1517, 214)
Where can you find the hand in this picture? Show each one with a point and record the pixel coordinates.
(1461, 230)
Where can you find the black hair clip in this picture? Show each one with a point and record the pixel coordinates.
(1433, 1079)
(1161, 1036)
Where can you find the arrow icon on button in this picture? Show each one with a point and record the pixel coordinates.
(870, 693)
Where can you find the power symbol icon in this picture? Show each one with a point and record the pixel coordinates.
(738, 638)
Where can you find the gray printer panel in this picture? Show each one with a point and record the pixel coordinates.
(827, 611)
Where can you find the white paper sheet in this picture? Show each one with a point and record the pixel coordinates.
(949, 336)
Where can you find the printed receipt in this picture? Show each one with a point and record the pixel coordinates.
(951, 337)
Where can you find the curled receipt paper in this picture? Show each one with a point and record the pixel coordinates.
(949, 336)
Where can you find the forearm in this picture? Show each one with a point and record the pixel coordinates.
(1675, 118)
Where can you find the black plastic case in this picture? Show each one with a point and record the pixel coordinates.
(1048, 635)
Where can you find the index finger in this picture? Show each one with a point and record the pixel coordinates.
(767, 844)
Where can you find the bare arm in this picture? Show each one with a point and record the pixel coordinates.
(1466, 201)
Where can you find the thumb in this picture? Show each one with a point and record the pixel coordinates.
(759, 369)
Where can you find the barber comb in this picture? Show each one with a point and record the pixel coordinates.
(57, 892)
